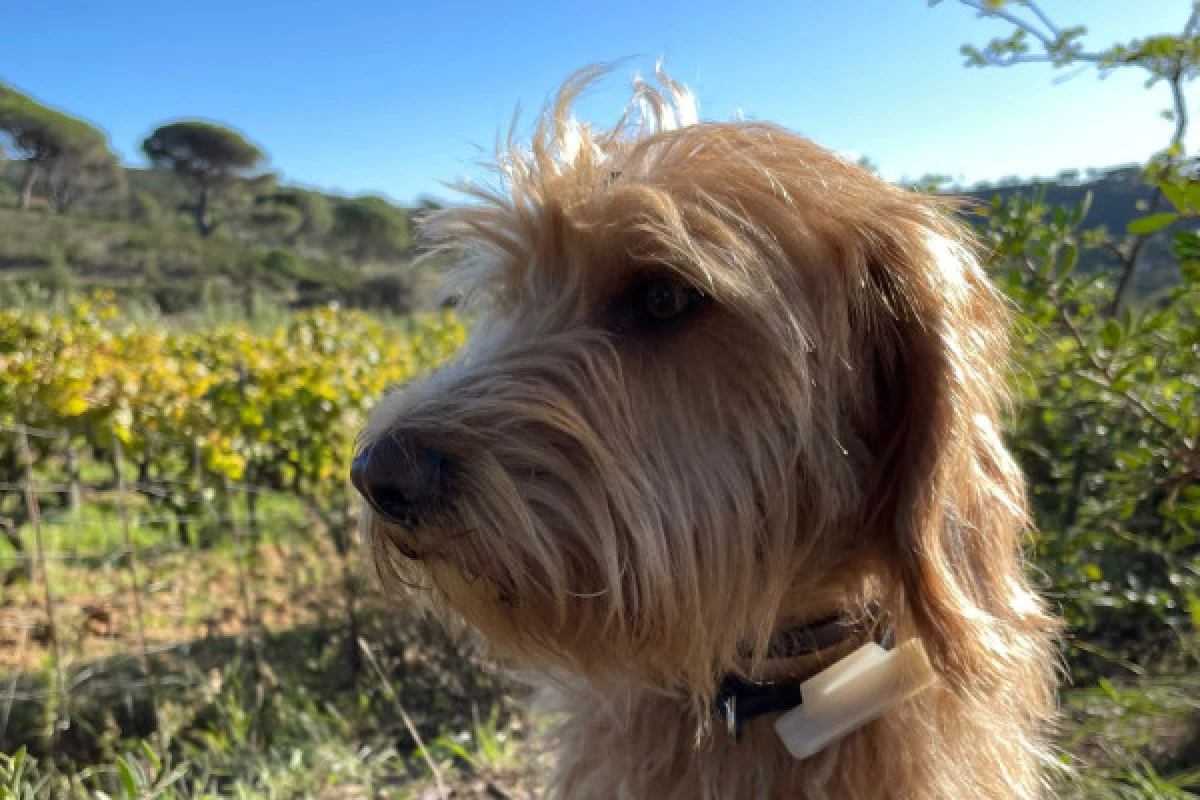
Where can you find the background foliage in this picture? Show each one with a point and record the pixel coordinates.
(1109, 422)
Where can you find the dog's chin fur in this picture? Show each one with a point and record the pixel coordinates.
(629, 511)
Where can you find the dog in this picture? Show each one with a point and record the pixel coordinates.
(729, 415)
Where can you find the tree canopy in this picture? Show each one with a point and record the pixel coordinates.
(201, 151)
(372, 227)
(39, 132)
(314, 207)
(205, 155)
(44, 136)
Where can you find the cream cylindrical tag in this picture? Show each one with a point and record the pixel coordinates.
(851, 693)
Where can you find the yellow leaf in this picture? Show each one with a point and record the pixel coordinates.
(74, 406)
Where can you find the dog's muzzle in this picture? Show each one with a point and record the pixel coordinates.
(401, 477)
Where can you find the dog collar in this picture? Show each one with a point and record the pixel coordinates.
(740, 700)
(837, 700)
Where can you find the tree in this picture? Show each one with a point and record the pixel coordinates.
(371, 227)
(1173, 59)
(427, 203)
(1068, 177)
(47, 138)
(205, 156)
(866, 163)
(275, 220)
(313, 207)
(77, 173)
(933, 183)
(246, 202)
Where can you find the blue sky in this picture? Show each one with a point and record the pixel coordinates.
(394, 97)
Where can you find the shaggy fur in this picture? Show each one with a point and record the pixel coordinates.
(634, 513)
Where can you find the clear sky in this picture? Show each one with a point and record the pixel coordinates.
(393, 97)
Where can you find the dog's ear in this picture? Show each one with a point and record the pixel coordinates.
(944, 498)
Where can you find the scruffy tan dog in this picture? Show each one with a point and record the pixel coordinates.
(730, 412)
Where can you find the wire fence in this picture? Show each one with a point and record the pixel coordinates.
(116, 586)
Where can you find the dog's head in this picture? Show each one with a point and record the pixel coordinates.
(719, 378)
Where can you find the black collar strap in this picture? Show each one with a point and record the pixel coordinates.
(739, 700)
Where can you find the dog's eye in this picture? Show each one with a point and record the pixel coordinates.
(665, 301)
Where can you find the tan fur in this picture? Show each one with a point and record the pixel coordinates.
(630, 512)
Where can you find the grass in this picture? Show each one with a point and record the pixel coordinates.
(185, 594)
(1139, 739)
(300, 723)
(284, 743)
(251, 642)
(299, 739)
(96, 525)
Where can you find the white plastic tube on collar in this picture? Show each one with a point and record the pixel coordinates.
(849, 694)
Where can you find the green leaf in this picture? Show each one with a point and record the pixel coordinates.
(1175, 193)
(1193, 605)
(125, 770)
(1084, 207)
(1111, 335)
(165, 783)
(1191, 192)
(1070, 258)
(1191, 272)
(16, 766)
(1186, 245)
(1151, 224)
(152, 757)
(1046, 270)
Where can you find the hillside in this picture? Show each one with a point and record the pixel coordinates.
(1119, 196)
(137, 238)
(274, 244)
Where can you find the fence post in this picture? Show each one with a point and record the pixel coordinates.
(135, 590)
(35, 519)
(189, 541)
(240, 557)
(350, 583)
(73, 490)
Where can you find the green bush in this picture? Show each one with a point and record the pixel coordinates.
(1108, 429)
(283, 261)
(1107, 436)
(144, 207)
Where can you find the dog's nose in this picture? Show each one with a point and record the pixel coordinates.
(400, 476)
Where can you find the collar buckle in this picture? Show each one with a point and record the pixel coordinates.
(733, 724)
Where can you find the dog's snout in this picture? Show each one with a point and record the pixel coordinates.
(401, 477)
